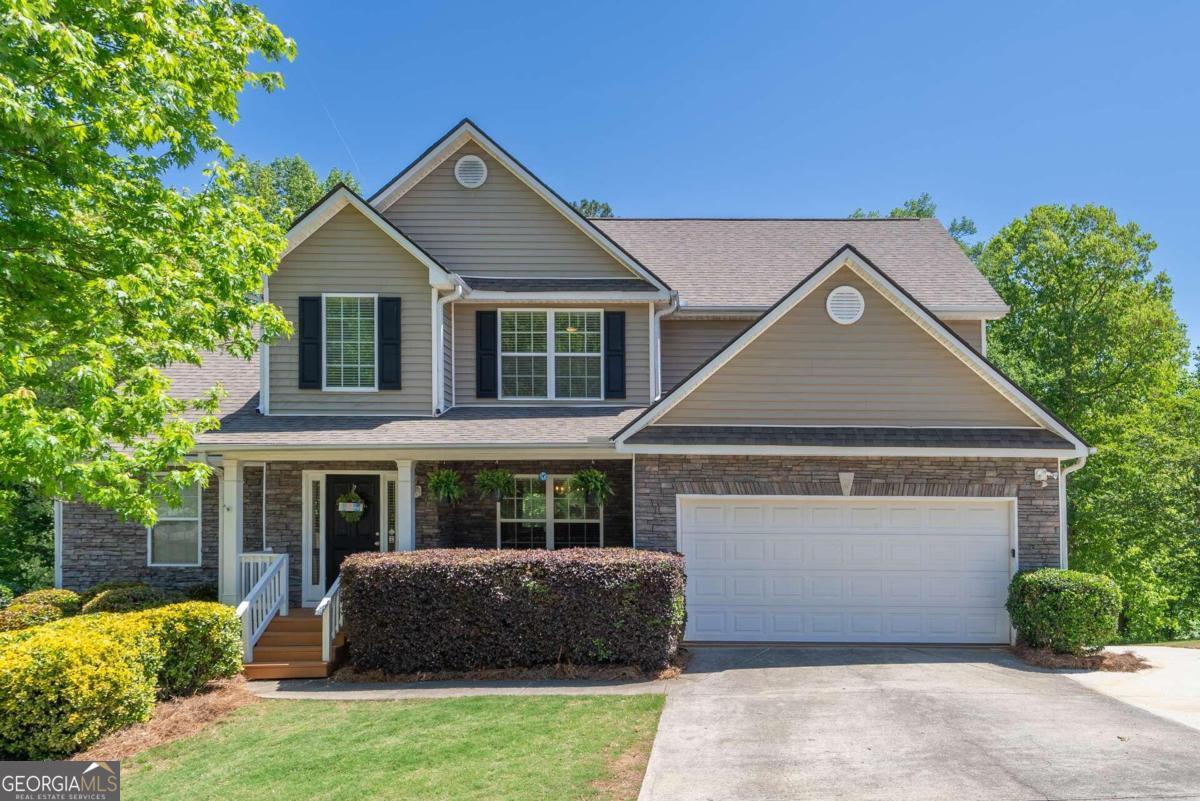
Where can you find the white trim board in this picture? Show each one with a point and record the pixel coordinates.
(467, 131)
(338, 199)
(848, 257)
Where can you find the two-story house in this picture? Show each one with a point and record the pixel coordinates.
(802, 407)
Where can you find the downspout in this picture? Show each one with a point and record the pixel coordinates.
(1063, 472)
(459, 289)
(656, 390)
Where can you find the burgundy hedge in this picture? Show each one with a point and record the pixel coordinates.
(467, 609)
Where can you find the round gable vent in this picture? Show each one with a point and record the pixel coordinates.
(845, 305)
(470, 171)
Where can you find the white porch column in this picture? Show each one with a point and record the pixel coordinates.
(229, 550)
(406, 513)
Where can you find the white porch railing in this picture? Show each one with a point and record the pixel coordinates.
(330, 612)
(266, 597)
(251, 569)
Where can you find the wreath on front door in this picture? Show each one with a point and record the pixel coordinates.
(351, 506)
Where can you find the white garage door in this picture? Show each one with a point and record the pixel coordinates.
(846, 570)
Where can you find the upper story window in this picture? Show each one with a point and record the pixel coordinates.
(350, 342)
(551, 355)
(174, 541)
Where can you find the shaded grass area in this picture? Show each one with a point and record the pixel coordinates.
(1178, 644)
(496, 748)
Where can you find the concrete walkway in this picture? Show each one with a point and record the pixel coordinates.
(326, 690)
(1170, 689)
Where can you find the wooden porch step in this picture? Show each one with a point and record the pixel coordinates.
(303, 620)
(289, 638)
(287, 653)
(307, 669)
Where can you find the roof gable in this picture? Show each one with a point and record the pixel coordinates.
(564, 223)
(768, 347)
(341, 197)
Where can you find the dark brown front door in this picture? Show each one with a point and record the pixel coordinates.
(343, 537)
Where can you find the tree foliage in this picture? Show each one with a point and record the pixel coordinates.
(106, 274)
(590, 207)
(961, 229)
(287, 186)
(26, 539)
(1093, 335)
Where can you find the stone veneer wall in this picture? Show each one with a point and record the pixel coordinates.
(97, 545)
(471, 523)
(659, 478)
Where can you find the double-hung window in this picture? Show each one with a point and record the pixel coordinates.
(551, 355)
(350, 335)
(174, 541)
(548, 514)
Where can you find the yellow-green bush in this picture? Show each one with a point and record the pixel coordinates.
(201, 641)
(125, 599)
(66, 684)
(68, 602)
(96, 589)
(21, 616)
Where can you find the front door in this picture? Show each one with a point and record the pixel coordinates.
(349, 529)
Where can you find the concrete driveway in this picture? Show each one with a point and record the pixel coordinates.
(905, 723)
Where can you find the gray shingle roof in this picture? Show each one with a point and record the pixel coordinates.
(491, 284)
(242, 425)
(851, 437)
(755, 262)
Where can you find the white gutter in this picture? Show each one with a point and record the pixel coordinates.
(440, 366)
(656, 345)
(1063, 472)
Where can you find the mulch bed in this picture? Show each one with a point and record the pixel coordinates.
(1113, 661)
(540, 673)
(173, 720)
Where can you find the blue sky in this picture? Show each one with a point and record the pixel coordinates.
(765, 109)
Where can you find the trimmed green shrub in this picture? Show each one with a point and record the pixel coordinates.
(95, 590)
(206, 591)
(201, 642)
(68, 602)
(66, 684)
(1065, 610)
(467, 609)
(22, 616)
(125, 599)
(6, 595)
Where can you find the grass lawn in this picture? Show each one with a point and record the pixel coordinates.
(495, 748)
(1178, 643)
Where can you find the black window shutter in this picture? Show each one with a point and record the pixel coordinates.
(614, 354)
(486, 354)
(389, 343)
(310, 338)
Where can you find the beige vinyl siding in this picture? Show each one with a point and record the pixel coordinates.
(637, 353)
(883, 370)
(501, 228)
(350, 254)
(970, 330)
(686, 344)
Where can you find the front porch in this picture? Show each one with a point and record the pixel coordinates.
(285, 525)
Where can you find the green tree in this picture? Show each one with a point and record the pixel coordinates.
(26, 539)
(108, 275)
(922, 206)
(287, 186)
(1092, 334)
(590, 207)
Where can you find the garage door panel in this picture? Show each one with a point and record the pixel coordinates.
(849, 571)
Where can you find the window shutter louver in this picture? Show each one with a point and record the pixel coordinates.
(486, 354)
(310, 336)
(614, 354)
(389, 343)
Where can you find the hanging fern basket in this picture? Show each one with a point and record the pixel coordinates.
(351, 506)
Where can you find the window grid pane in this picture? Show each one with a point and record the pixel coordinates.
(577, 377)
(350, 342)
(523, 515)
(523, 332)
(577, 332)
(174, 542)
(523, 376)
